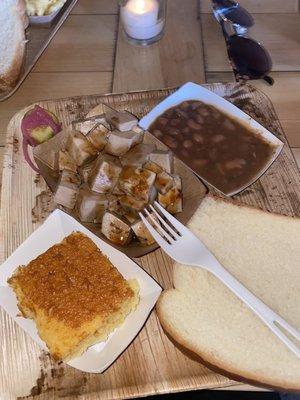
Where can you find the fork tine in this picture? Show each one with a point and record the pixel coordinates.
(159, 239)
(160, 229)
(178, 225)
(167, 226)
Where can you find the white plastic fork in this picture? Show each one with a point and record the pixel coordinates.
(184, 247)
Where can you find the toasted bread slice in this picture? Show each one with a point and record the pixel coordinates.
(74, 294)
(262, 250)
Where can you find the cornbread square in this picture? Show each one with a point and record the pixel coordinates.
(74, 294)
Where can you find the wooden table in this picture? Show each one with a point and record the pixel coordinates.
(89, 55)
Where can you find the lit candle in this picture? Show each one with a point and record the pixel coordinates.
(140, 19)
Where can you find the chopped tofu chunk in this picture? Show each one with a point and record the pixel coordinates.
(105, 174)
(120, 142)
(114, 204)
(164, 182)
(152, 195)
(137, 129)
(130, 203)
(164, 159)
(80, 149)
(115, 229)
(153, 167)
(172, 200)
(138, 155)
(86, 125)
(69, 177)
(130, 216)
(142, 233)
(117, 190)
(137, 182)
(85, 170)
(91, 206)
(98, 136)
(67, 189)
(66, 162)
(121, 120)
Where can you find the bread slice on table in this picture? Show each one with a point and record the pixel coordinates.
(74, 294)
(13, 22)
(262, 250)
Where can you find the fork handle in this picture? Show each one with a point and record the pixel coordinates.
(276, 323)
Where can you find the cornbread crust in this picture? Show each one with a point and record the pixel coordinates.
(74, 294)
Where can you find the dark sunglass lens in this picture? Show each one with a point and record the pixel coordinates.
(234, 12)
(249, 57)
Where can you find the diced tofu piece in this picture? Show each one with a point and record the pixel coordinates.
(152, 195)
(136, 128)
(121, 120)
(115, 229)
(66, 162)
(164, 159)
(137, 182)
(138, 155)
(69, 177)
(98, 136)
(91, 206)
(142, 233)
(130, 216)
(80, 149)
(130, 203)
(114, 204)
(86, 125)
(67, 191)
(85, 170)
(172, 200)
(153, 167)
(117, 190)
(120, 142)
(164, 182)
(105, 174)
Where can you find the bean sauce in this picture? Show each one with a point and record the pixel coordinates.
(218, 148)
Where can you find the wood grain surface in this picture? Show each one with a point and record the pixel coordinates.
(168, 63)
(260, 6)
(151, 364)
(278, 33)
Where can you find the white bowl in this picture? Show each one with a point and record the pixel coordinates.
(192, 91)
(56, 227)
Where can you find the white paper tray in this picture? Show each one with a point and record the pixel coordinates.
(192, 91)
(56, 227)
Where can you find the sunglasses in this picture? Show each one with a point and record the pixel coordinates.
(249, 59)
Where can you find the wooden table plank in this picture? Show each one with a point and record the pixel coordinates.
(96, 7)
(84, 43)
(279, 33)
(174, 60)
(260, 6)
(216, 58)
(285, 96)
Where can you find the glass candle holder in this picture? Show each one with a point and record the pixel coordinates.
(143, 20)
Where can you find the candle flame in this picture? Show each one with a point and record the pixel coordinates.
(141, 6)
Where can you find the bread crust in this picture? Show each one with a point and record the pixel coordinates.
(237, 203)
(9, 79)
(226, 370)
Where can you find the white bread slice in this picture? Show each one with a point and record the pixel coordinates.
(12, 41)
(260, 249)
